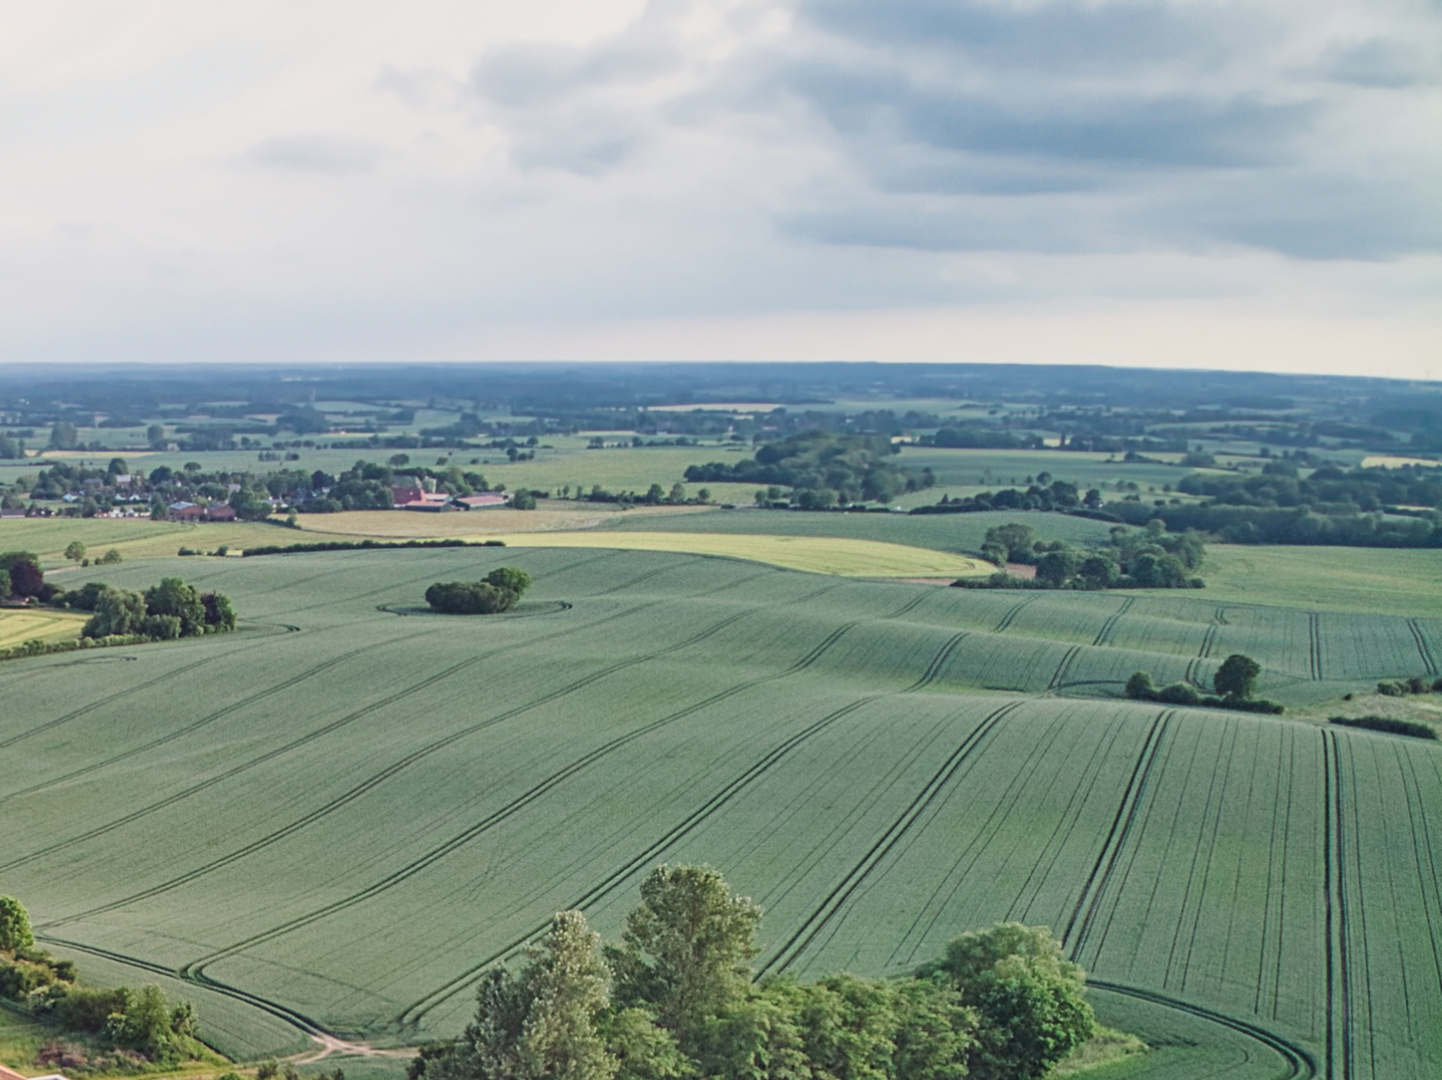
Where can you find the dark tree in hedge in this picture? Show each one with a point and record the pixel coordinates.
(1237, 677)
(26, 578)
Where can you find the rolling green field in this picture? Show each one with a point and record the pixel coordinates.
(337, 817)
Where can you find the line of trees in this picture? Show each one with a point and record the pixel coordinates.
(676, 999)
(1235, 681)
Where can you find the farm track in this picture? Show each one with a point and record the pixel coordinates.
(1193, 673)
(1300, 1063)
(1212, 832)
(1422, 646)
(786, 954)
(1108, 628)
(1084, 913)
(1314, 648)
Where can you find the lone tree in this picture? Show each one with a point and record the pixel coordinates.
(75, 551)
(1237, 677)
(14, 925)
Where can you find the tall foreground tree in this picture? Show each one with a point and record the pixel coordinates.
(686, 951)
(14, 925)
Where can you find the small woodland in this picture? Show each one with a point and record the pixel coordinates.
(119, 1030)
(501, 590)
(676, 998)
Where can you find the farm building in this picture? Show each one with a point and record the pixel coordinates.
(485, 501)
(184, 511)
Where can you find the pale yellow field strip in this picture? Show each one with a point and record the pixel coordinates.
(43, 624)
(816, 554)
(1387, 461)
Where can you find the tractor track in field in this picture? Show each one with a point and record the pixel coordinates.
(938, 663)
(1406, 767)
(1234, 732)
(1094, 887)
(1108, 628)
(1314, 644)
(1011, 614)
(1286, 767)
(85, 710)
(366, 785)
(1301, 1065)
(975, 847)
(191, 728)
(1070, 816)
(525, 798)
(413, 1013)
(375, 779)
(1422, 646)
(834, 901)
(290, 1016)
(1063, 668)
(1339, 1050)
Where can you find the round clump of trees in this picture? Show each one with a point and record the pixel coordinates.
(499, 591)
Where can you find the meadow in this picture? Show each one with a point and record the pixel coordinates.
(19, 625)
(337, 817)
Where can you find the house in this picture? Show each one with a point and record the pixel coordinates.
(484, 501)
(219, 512)
(429, 501)
(11, 1074)
(184, 511)
(405, 493)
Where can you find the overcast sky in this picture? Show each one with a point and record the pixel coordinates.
(1208, 184)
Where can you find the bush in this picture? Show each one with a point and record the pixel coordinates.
(1179, 693)
(1388, 724)
(161, 627)
(1140, 686)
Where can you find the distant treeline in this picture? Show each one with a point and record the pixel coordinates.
(365, 545)
(833, 468)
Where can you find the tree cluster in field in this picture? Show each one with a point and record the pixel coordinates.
(500, 591)
(836, 469)
(1416, 684)
(20, 576)
(133, 1022)
(1150, 559)
(1234, 682)
(172, 609)
(1390, 724)
(676, 999)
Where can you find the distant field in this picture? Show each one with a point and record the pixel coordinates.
(338, 816)
(956, 533)
(1384, 580)
(817, 554)
(18, 625)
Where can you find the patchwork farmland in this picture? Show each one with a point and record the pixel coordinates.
(337, 817)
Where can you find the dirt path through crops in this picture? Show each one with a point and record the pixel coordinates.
(329, 1044)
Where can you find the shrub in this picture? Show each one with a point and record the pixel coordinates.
(1179, 693)
(1140, 686)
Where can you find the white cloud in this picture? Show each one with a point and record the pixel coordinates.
(348, 180)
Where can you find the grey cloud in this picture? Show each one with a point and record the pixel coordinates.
(1381, 63)
(317, 154)
(1068, 36)
(537, 75)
